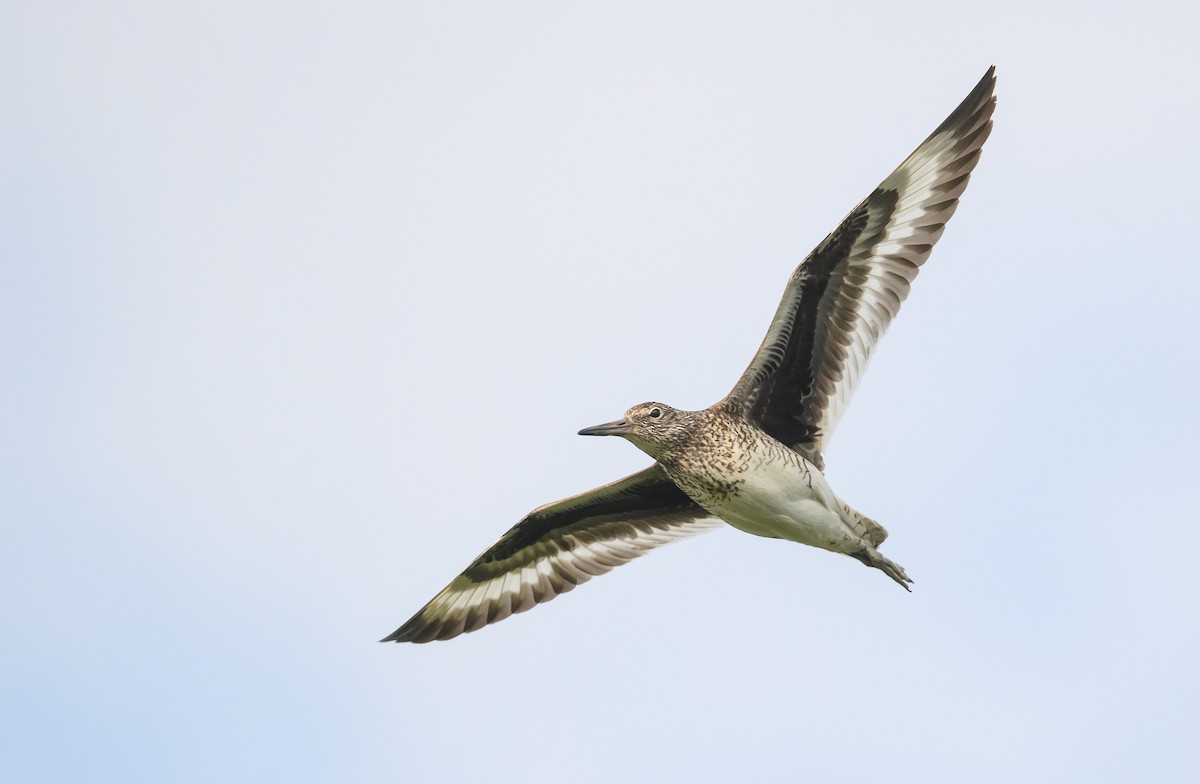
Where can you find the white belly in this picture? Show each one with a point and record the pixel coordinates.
(782, 500)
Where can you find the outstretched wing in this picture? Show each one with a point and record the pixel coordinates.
(842, 297)
(557, 547)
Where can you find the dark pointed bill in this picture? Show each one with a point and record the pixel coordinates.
(617, 428)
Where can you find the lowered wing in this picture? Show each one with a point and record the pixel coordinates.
(555, 548)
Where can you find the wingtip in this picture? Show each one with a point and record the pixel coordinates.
(988, 80)
(402, 635)
(974, 110)
(983, 88)
(409, 632)
(394, 637)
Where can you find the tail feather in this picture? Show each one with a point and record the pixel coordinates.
(876, 533)
(872, 531)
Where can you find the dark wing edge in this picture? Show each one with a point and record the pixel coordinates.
(842, 297)
(557, 547)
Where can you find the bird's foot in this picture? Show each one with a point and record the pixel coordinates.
(872, 557)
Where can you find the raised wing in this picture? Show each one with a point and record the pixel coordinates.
(841, 299)
(557, 547)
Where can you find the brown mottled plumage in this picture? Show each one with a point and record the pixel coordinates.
(753, 460)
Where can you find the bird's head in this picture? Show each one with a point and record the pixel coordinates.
(651, 427)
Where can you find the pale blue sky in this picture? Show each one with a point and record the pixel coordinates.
(304, 303)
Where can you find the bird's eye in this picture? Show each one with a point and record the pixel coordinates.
(655, 413)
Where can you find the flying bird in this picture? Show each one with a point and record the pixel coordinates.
(754, 459)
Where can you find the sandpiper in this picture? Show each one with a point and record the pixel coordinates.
(754, 459)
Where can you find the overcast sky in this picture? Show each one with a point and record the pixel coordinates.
(302, 305)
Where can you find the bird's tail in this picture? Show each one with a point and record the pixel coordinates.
(867, 528)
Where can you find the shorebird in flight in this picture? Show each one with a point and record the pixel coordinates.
(753, 460)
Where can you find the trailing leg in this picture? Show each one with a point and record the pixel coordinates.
(872, 557)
